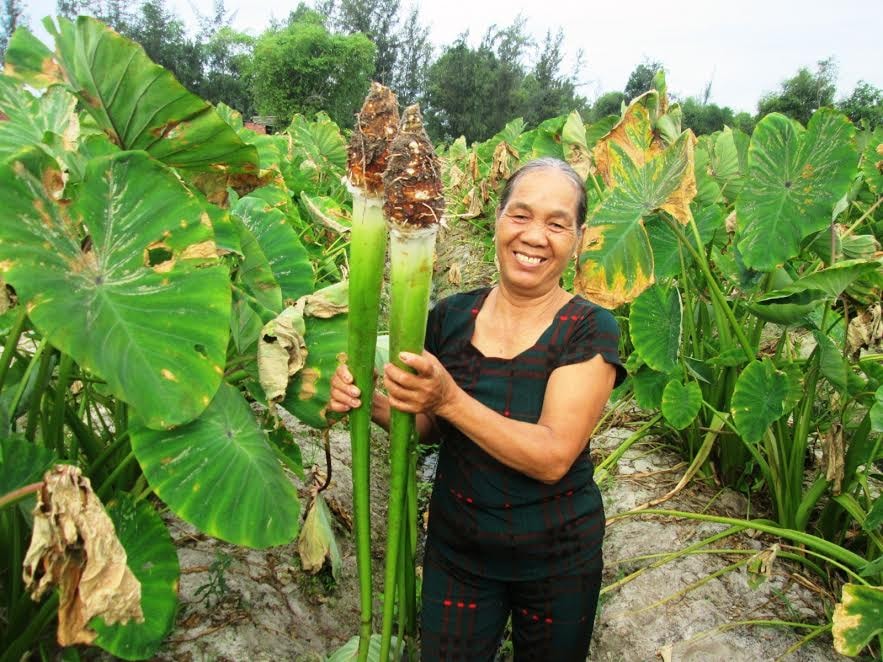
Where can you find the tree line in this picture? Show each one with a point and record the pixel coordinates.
(323, 56)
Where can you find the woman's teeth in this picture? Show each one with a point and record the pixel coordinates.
(527, 259)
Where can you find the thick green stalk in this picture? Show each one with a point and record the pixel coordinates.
(411, 253)
(828, 550)
(12, 342)
(367, 259)
(23, 384)
(720, 301)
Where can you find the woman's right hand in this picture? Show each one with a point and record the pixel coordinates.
(344, 393)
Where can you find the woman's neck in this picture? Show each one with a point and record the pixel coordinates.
(507, 303)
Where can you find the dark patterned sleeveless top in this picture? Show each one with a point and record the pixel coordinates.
(484, 516)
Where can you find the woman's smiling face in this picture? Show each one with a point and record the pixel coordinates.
(536, 231)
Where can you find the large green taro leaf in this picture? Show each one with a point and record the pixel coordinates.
(308, 392)
(616, 257)
(546, 139)
(649, 386)
(681, 403)
(220, 473)
(655, 321)
(708, 191)
(254, 274)
(320, 143)
(29, 119)
(831, 362)
(285, 254)
(728, 161)
(151, 556)
(857, 618)
(137, 103)
(124, 277)
(758, 399)
(794, 179)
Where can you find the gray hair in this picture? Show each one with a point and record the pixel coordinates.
(548, 162)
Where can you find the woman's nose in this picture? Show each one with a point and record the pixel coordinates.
(535, 233)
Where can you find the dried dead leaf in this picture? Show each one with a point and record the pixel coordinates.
(865, 330)
(501, 166)
(472, 202)
(327, 302)
(282, 351)
(730, 223)
(454, 274)
(5, 301)
(834, 455)
(760, 566)
(74, 546)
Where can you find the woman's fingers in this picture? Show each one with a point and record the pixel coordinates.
(344, 394)
(419, 391)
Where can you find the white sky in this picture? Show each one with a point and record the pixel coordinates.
(745, 47)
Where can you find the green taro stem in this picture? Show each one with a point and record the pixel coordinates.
(367, 260)
(411, 254)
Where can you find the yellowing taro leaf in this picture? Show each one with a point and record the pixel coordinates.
(633, 134)
(576, 151)
(74, 546)
(857, 618)
(616, 258)
(316, 542)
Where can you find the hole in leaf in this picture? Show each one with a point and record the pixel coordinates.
(788, 184)
(86, 244)
(269, 339)
(200, 349)
(157, 255)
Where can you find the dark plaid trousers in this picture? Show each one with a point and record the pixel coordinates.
(464, 615)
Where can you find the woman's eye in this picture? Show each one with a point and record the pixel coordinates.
(557, 227)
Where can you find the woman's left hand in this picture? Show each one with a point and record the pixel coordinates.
(428, 391)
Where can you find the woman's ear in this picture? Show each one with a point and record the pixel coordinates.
(579, 240)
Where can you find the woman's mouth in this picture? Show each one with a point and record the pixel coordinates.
(529, 260)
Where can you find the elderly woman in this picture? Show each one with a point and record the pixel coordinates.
(512, 383)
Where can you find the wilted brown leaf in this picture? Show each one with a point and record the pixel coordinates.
(74, 546)
(834, 455)
(501, 166)
(865, 330)
(282, 349)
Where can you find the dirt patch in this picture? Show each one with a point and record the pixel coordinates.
(681, 611)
